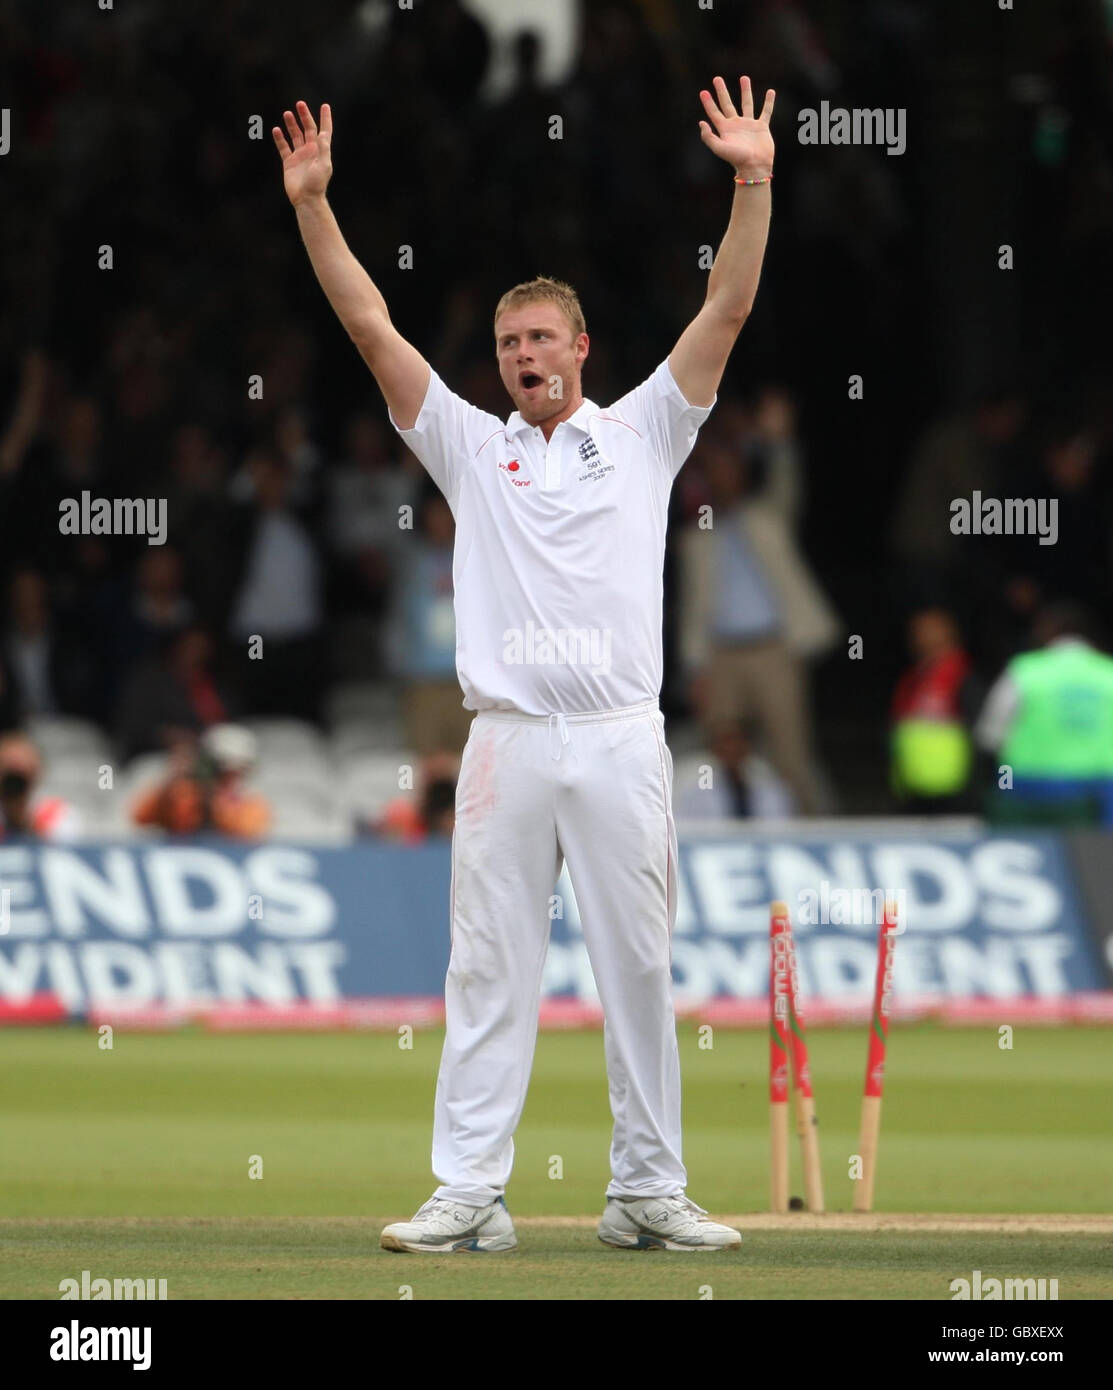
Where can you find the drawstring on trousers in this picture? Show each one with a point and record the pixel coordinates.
(558, 724)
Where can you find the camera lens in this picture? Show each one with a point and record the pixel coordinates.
(14, 784)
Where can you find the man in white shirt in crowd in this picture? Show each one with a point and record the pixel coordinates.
(560, 519)
(279, 598)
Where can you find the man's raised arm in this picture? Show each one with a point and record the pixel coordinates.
(700, 356)
(398, 367)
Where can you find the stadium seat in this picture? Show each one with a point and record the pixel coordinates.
(302, 812)
(280, 739)
(352, 738)
(686, 769)
(370, 780)
(75, 777)
(58, 735)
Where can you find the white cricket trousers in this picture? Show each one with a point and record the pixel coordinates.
(595, 790)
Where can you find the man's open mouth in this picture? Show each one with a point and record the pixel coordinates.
(528, 380)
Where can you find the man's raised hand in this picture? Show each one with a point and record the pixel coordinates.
(739, 139)
(306, 154)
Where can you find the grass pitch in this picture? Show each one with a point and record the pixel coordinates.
(339, 1258)
(137, 1162)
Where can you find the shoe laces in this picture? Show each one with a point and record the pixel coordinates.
(686, 1204)
(438, 1206)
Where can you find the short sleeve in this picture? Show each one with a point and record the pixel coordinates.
(447, 435)
(658, 410)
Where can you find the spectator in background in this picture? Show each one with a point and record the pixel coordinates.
(54, 451)
(23, 814)
(1075, 567)
(77, 461)
(933, 707)
(365, 495)
(157, 606)
(751, 614)
(423, 633)
(174, 691)
(10, 712)
(90, 604)
(1018, 575)
(204, 792)
(25, 421)
(141, 357)
(299, 452)
(49, 673)
(197, 516)
(278, 597)
(526, 107)
(456, 49)
(973, 449)
(1049, 722)
(740, 785)
(411, 820)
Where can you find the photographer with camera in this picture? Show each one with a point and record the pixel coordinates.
(23, 815)
(204, 792)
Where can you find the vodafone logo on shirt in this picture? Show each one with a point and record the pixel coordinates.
(512, 467)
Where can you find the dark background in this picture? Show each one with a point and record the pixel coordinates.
(131, 128)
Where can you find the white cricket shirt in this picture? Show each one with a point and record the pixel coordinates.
(560, 547)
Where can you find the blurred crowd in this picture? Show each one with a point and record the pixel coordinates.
(307, 558)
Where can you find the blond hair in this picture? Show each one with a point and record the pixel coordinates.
(544, 290)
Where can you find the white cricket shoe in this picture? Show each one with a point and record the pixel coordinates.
(663, 1223)
(442, 1226)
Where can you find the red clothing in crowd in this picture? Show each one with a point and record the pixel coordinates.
(932, 690)
(205, 700)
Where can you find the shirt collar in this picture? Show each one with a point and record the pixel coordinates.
(516, 425)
